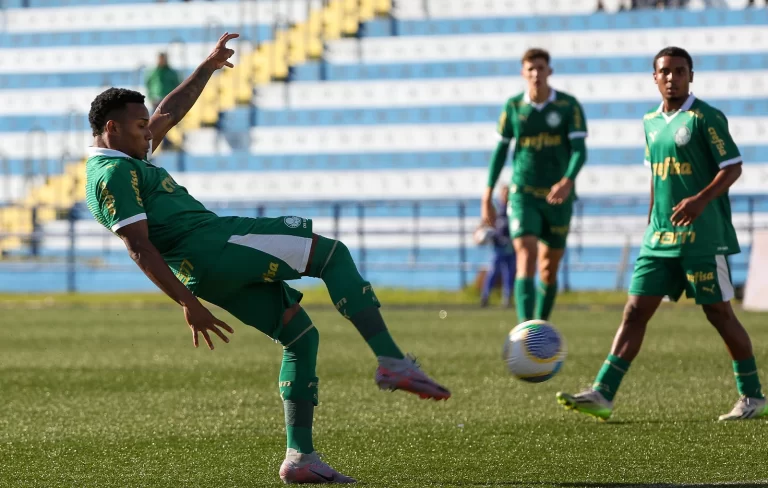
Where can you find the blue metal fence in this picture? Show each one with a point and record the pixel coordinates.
(429, 243)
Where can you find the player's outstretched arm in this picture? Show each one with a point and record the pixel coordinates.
(175, 106)
(148, 258)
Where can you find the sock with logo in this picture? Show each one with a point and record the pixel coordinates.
(747, 379)
(352, 295)
(610, 375)
(545, 299)
(298, 380)
(525, 298)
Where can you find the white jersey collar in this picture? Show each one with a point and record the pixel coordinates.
(683, 108)
(103, 151)
(539, 106)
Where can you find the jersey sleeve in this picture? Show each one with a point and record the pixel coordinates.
(577, 124)
(718, 138)
(504, 127)
(118, 197)
(647, 160)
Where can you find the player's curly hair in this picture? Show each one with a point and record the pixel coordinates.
(675, 52)
(107, 102)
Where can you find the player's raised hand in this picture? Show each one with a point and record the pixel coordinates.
(220, 55)
(560, 191)
(201, 320)
(687, 210)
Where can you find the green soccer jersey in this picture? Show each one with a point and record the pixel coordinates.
(542, 134)
(121, 190)
(685, 150)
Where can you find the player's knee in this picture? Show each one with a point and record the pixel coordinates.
(332, 254)
(635, 315)
(306, 346)
(720, 315)
(525, 250)
(547, 270)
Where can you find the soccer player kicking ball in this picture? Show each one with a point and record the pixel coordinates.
(549, 130)
(237, 263)
(693, 163)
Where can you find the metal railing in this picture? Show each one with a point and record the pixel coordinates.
(69, 248)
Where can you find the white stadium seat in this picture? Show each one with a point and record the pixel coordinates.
(439, 137)
(629, 42)
(418, 9)
(493, 90)
(155, 15)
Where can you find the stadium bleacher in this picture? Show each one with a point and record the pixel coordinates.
(400, 116)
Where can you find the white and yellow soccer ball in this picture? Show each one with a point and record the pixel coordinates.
(534, 351)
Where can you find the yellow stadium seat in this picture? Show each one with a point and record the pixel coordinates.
(209, 114)
(382, 7)
(298, 44)
(314, 35)
(280, 56)
(262, 72)
(244, 86)
(174, 136)
(350, 18)
(229, 79)
(367, 11)
(332, 20)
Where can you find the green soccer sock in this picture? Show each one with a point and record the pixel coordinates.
(545, 299)
(747, 379)
(370, 324)
(298, 381)
(298, 425)
(610, 375)
(525, 298)
(352, 295)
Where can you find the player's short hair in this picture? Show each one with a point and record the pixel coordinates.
(535, 53)
(107, 102)
(674, 52)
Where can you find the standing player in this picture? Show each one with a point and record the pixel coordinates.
(549, 130)
(693, 163)
(237, 263)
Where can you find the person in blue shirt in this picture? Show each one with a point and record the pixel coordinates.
(503, 263)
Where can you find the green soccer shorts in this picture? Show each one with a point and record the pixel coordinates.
(241, 265)
(705, 278)
(531, 215)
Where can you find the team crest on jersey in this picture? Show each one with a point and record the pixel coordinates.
(293, 222)
(553, 119)
(682, 136)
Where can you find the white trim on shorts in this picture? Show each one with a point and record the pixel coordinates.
(293, 250)
(724, 278)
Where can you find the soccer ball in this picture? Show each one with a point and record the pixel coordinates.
(534, 351)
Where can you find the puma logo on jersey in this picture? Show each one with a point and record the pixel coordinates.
(709, 289)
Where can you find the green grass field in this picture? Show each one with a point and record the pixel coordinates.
(118, 397)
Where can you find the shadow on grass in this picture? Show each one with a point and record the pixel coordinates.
(658, 421)
(596, 484)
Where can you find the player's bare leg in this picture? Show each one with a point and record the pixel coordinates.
(752, 403)
(525, 293)
(354, 298)
(598, 400)
(546, 293)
